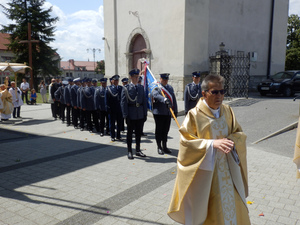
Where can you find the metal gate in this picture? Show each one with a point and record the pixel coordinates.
(235, 69)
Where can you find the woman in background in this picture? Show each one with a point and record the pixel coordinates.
(33, 97)
(43, 91)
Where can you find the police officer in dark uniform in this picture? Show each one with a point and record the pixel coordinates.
(54, 105)
(100, 104)
(113, 98)
(161, 112)
(67, 97)
(94, 111)
(124, 82)
(59, 96)
(75, 109)
(79, 104)
(192, 92)
(87, 103)
(134, 109)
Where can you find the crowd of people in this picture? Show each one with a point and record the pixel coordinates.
(212, 152)
(105, 109)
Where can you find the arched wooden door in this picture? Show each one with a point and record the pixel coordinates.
(138, 51)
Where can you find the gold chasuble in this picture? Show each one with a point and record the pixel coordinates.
(297, 150)
(211, 186)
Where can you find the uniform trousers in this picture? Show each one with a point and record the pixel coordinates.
(68, 115)
(115, 117)
(82, 118)
(62, 111)
(162, 127)
(54, 108)
(136, 125)
(89, 114)
(103, 116)
(75, 116)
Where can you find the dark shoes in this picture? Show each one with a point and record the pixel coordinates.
(113, 140)
(160, 151)
(101, 134)
(166, 150)
(130, 156)
(140, 154)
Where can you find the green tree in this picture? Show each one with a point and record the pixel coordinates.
(45, 60)
(292, 60)
(100, 68)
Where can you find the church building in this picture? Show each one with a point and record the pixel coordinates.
(180, 36)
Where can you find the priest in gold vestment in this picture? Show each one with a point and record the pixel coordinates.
(7, 106)
(211, 184)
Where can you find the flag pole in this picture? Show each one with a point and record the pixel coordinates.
(171, 110)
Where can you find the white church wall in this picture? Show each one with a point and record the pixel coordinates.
(196, 38)
(183, 34)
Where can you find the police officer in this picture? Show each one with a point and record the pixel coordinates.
(100, 104)
(87, 103)
(192, 92)
(54, 105)
(75, 109)
(134, 109)
(113, 98)
(124, 82)
(79, 104)
(161, 112)
(59, 96)
(67, 97)
(94, 111)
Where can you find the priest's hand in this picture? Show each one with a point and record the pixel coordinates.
(224, 145)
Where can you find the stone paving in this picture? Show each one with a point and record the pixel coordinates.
(53, 174)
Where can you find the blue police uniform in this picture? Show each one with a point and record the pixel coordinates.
(79, 105)
(162, 114)
(59, 96)
(100, 105)
(87, 103)
(124, 82)
(75, 109)
(113, 97)
(134, 110)
(67, 96)
(192, 93)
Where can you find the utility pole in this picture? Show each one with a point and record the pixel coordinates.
(94, 51)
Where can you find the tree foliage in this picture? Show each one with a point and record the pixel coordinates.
(292, 61)
(100, 68)
(21, 12)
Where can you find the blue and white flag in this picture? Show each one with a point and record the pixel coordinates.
(150, 83)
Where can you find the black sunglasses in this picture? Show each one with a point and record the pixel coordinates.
(215, 92)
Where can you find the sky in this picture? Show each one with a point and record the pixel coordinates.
(81, 27)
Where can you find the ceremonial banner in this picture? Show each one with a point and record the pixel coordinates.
(150, 83)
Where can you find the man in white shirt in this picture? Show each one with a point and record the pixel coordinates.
(24, 88)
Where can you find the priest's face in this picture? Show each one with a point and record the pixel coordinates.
(214, 95)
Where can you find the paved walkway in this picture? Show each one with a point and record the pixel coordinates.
(53, 174)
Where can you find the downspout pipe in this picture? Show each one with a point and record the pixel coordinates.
(270, 40)
(116, 36)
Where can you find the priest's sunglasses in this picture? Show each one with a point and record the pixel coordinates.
(216, 92)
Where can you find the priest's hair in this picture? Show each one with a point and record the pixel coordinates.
(212, 78)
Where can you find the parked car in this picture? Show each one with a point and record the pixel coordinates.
(286, 83)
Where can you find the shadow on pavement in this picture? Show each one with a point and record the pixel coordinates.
(41, 164)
